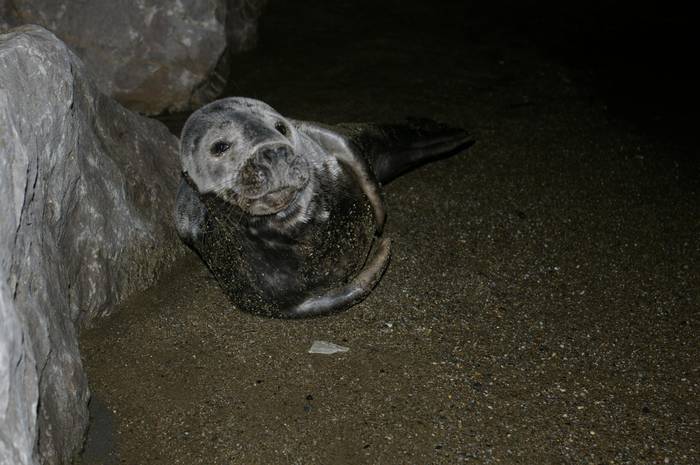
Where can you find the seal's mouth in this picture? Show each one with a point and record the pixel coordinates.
(272, 202)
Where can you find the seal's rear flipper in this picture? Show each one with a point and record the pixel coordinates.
(394, 149)
(355, 291)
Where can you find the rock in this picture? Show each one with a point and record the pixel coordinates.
(19, 393)
(86, 191)
(153, 56)
(4, 15)
(242, 23)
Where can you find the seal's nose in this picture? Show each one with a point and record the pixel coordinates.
(272, 168)
(282, 164)
(260, 172)
(271, 155)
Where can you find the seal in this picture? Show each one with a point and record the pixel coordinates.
(288, 214)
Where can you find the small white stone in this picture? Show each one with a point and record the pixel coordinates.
(326, 348)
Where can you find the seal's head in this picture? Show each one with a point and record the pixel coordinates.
(243, 151)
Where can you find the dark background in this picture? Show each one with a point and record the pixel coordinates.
(638, 58)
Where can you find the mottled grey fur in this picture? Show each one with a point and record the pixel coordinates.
(288, 214)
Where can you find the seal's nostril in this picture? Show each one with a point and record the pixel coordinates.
(267, 156)
(283, 152)
(272, 154)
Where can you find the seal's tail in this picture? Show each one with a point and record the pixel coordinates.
(394, 149)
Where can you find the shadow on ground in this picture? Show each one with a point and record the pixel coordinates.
(542, 301)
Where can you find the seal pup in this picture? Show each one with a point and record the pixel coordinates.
(288, 214)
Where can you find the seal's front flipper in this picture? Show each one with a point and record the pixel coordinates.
(355, 291)
(394, 149)
(190, 214)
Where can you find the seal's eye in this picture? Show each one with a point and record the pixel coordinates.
(218, 148)
(281, 128)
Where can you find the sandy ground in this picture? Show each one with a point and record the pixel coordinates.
(541, 307)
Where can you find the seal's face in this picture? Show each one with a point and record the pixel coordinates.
(246, 153)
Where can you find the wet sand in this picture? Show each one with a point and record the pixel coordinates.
(541, 306)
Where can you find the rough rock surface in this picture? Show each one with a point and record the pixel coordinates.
(152, 55)
(86, 189)
(242, 23)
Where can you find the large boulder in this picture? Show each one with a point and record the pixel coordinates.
(152, 55)
(87, 189)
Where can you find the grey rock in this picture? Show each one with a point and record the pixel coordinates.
(86, 191)
(151, 55)
(242, 23)
(18, 384)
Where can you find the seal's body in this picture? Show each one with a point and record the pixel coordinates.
(288, 214)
